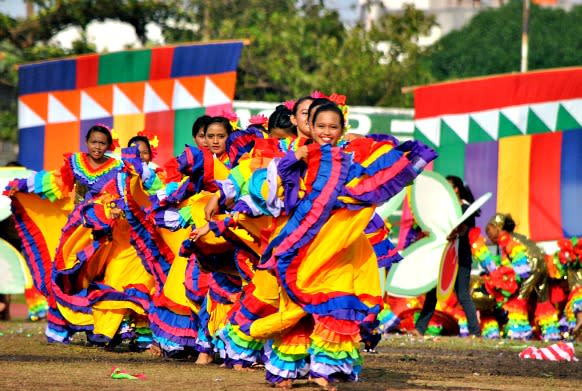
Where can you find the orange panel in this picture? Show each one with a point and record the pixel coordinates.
(37, 103)
(71, 100)
(195, 86)
(60, 139)
(164, 89)
(102, 95)
(226, 82)
(134, 92)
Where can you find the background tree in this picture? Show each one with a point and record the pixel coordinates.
(298, 46)
(29, 39)
(491, 42)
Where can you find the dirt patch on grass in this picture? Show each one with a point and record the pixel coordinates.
(28, 362)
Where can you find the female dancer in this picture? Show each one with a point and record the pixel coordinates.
(103, 272)
(323, 263)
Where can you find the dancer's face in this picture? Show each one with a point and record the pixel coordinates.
(97, 145)
(300, 120)
(144, 152)
(493, 232)
(326, 128)
(216, 136)
(199, 139)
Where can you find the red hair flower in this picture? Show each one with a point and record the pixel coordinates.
(338, 99)
(318, 94)
(259, 120)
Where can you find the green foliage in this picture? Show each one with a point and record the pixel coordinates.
(296, 47)
(27, 40)
(9, 122)
(491, 42)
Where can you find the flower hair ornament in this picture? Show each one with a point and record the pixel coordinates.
(340, 101)
(259, 120)
(152, 139)
(289, 104)
(115, 144)
(232, 118)
(318, 94)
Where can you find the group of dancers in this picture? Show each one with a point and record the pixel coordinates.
(261, 246)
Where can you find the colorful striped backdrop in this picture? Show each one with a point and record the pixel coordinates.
(518, 136)
(162, 90)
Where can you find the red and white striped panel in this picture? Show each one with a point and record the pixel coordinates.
(561, 351)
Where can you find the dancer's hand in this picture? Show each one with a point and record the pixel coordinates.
(301, 153)
(211, 208)
(116, 213)
(199, 232)
(459, 231)
(10, 192)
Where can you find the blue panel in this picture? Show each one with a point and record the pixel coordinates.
(571, 183)
(31, 147)
(205, 59)
(47, 76)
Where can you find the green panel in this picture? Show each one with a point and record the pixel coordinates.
(422, 138)
(122, 67)
(451, 159)
(476, 133)
(566, 121)
(535, 124)
(507, 128)
(382, 123)
(183, 120)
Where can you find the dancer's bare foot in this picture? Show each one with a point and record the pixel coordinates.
(204, 359)
(414, 333)
(285, 384)
(155, 350)
(240, 368)
(323, 383)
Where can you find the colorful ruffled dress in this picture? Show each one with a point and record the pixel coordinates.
(257, 215)
(324, 264)
(567, 262)
(194, 301)
(520, 272)
(105, 269)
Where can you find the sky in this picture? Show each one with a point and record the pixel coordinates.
(14, 8)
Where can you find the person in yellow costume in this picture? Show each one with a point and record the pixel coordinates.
(185, 318)
(320, 268)
(107, 260)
